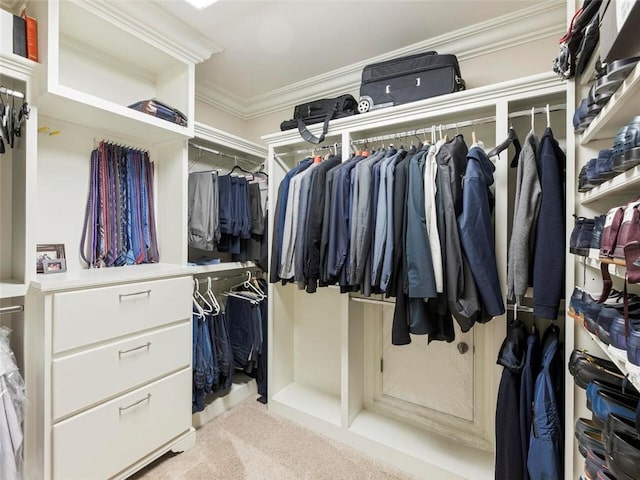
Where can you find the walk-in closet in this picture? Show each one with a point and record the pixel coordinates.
(195, 283)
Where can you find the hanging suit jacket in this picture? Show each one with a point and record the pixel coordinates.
(422, 283)
(280, 213)
(476, 229)
(462, 295)
(548, 266)
(314, 224)
(525, 216)
(360, 227)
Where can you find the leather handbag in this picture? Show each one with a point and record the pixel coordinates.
(318, 111)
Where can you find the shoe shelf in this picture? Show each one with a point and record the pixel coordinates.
(622, 365)
(625, 182)
(618, 270)
(617, 112)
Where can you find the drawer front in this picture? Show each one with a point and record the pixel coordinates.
(87, 316)
(103, 441)
(85, 378)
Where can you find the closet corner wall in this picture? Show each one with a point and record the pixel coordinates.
(326, 348)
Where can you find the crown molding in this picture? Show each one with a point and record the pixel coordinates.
(542, 20)
(422, 110)
(146, 20)
(220, 137)
(11, 5)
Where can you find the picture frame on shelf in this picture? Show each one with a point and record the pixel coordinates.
(49, 251)
(56, 265)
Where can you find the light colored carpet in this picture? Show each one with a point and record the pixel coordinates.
(250, 443)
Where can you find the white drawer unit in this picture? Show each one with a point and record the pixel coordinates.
(112, 357)
(102, 441)
(95, 315)
(82, 379)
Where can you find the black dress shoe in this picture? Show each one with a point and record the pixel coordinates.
(617, 423)
(624, 458)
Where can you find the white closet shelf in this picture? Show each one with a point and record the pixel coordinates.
(106, 276)
(72, 105)
(616, 270)
(479, 99)
(415, 443)
(309, 401)
(10, 288)
(625, 182)
(617, 112)
(12, 64)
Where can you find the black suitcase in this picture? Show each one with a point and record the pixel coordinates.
(407, 79)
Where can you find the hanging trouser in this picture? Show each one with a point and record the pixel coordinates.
(240, 317)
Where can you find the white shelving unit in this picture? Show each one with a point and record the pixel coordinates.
(98, 63)
(17, 177)
(619, 190)
(324, 356)
(617, 112)
(95, 60)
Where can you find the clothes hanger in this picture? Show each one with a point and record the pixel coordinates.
(242, 297)
(199, 298)
(512, 138)
(199, 310)
(212, 298)
(548, 117)
(238, 167)
(533, 117)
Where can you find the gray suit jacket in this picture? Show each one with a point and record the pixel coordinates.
(525, 215)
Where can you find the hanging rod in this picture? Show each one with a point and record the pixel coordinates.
(13, 309)
(13, 93)
(456, 125)
(520, 308)
(372, 301)
(335, 147)
(223, 154)
(227, 277)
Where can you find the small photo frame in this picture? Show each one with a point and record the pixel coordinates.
(57, 265)
(49, 251)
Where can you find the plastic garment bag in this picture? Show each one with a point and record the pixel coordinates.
(12, 400)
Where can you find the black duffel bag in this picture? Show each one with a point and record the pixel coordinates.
(319, 111)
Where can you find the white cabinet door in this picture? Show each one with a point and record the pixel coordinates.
(437, 376)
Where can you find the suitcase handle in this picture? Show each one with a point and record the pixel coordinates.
(310, 137)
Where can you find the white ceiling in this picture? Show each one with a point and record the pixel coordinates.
(267, 45)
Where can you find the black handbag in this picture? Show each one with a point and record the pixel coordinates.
(318, 111)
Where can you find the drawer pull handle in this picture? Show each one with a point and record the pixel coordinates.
(146, 345)
(143, 292)
(145, 399)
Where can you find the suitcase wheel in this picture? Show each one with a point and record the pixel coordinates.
(364, 105)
